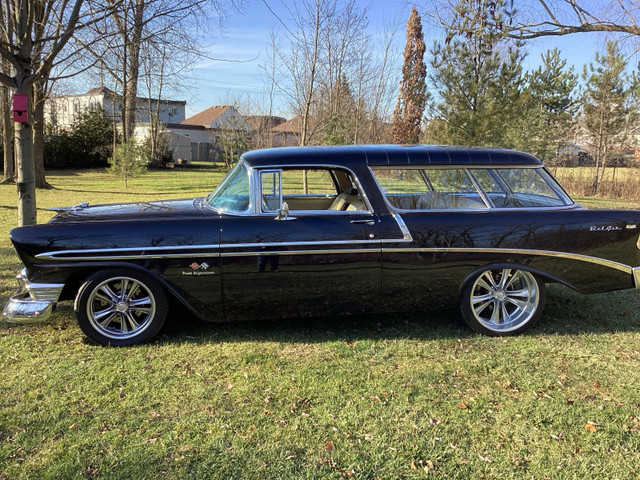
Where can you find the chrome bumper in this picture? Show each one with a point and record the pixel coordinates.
(636, 276)
(33, 302)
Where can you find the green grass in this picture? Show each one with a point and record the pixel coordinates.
(394, 396)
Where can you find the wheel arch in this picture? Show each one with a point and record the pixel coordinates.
(84, 271)
(545, 276)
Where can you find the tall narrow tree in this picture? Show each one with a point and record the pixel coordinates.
(409, 110)
(607, 108)
(553, 106)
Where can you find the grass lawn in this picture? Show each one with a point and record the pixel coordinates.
(394, 396)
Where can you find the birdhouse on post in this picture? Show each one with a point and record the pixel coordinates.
(20, 107)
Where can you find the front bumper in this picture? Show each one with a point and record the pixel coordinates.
(33, 302)
(636, 276)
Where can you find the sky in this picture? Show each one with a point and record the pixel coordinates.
(245, 39)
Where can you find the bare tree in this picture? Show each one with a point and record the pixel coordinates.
(42, 28)
(542, 18)
(7, 128)
(134, 24)
(381, 91)
(310, 18)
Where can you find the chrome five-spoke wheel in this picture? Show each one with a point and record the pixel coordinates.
(120, 307)
(502, 301)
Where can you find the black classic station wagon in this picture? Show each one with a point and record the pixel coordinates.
(331, 230)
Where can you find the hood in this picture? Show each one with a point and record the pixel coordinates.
(84, 212)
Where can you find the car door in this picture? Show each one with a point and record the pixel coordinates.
(301, 262)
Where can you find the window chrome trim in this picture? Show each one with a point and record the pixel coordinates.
(406, 234)
(255, 189)
(484, 210)
(483, 195)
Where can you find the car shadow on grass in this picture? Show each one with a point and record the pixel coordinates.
(566, 313)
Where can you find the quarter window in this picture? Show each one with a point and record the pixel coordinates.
(429, 189)
(469, 189)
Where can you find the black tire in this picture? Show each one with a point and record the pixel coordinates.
(502, 301)
(120, 307)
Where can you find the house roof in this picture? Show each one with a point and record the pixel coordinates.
(264, 122)
(100, 90)
(290, 126)
(206, 117)
(184, 126)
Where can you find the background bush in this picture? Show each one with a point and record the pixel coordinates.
(89, 144)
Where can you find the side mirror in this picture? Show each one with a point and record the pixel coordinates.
(283, 213)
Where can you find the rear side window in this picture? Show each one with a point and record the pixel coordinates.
(429, 189)
(469, 189)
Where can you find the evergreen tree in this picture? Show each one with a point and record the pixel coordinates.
(478, 80)
(409, 110)
(607, 107)
(549, 91)
(129, 160)
(339, 124)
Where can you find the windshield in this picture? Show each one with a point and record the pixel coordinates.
(232, 195)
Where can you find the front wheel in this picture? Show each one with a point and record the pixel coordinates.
(503, 301)
(120, 307)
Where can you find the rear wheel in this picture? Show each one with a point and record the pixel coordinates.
(120, 307)
(503, 301)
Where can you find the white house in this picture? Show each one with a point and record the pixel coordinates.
(64, 110)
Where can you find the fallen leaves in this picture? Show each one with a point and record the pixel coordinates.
(426, 465)
(591, 427)
(633, 425)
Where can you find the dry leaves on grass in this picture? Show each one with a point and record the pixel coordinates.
(591, 427)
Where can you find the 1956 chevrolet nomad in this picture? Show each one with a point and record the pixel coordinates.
(331, 230)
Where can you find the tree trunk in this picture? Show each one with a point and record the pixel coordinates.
(25, 183)
(38, 134)
(133, 70)
(26, 172)
(7, 139)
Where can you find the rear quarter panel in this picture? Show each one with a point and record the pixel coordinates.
(588, 250)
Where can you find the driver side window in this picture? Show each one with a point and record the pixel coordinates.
(271, 190)
(310, 189)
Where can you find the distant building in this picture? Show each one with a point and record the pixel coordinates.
(263, 126)
(206, 129)
(65, 110)
(219, 118)
(287, 134)
(197, 138)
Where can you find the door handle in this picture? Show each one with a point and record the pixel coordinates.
(365, 222)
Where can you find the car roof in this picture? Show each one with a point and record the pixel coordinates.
(388, 155)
